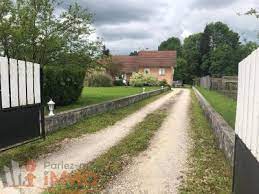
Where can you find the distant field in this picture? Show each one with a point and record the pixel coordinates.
(222, 104)
(94, 95)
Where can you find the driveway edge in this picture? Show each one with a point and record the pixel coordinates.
(225, 135)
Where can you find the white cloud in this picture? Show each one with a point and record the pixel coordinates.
(138, 24)
(185, 34)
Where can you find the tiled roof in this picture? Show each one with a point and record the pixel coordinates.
(127, 64)
(146, 59)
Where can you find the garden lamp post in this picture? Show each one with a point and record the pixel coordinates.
(51, 105)
(143, 90)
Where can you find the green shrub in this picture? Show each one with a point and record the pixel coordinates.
(118, 82)
(164, 83)
(150, 80)
(141, 79)
(99, 80)
(63, 84)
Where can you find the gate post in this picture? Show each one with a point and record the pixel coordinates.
(42, 104)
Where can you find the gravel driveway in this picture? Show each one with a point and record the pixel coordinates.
(86, 148)
(159, 169)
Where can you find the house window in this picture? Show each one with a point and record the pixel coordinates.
(146, 70)
(161, 71)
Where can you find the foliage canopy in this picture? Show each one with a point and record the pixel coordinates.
(32, 30)
(216, 51)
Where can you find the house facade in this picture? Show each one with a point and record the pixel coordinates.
(159, 64)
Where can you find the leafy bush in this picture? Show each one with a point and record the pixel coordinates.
(163, 83)
(63, 84)
(118, 82)
(99, 80)
(141, 79)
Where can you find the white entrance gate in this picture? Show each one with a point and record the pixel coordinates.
(21, 114)
(246, 162)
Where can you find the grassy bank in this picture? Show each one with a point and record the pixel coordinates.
(108, 165)
(209, 172)
(33, 150)
(94, 95)
(222, 104)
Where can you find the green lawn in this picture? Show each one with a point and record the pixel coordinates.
(94, 95)
(222, 104)
(209, 171)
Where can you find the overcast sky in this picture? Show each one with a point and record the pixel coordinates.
(128, 25)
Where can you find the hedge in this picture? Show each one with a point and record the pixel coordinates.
(99, 80)
(63, 84)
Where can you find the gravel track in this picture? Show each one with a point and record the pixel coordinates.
(160, 168)
(86, 148)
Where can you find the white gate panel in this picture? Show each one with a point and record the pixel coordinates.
(246, 88)
(22, 83)
(247, 118)
(37, 83)
(14, 83)
(239, 97)
(256, 104)
(255, 113)
(30, 93)
(250, 96)
(5, 93)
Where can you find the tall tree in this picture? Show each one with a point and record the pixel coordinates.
(217, 36)
(36, 33)
(183, 72)
(172, 43)
(223, 61)
(246, 49)
(191, 53)
(6, 20)
(205, 41)
(217, 51)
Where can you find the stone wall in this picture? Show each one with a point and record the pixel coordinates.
(225, 135)
(71, 117)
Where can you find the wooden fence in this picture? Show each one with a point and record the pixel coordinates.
(226, 85)
(246, 165)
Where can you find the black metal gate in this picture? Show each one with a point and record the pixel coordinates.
(246, 170)
(21, 111)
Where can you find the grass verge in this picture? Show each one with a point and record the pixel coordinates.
(90, 125)
(95, 95)
(209, 172)
(222, 104)
(108, 165)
